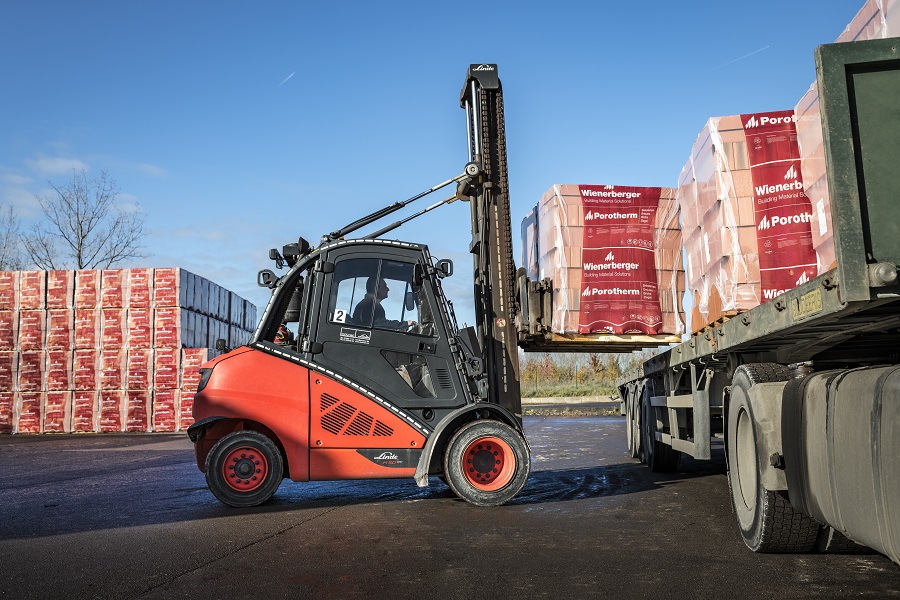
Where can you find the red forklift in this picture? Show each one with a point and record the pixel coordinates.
(379, 381)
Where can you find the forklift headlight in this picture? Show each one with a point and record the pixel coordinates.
(204, 378)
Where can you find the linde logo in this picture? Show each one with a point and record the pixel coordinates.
(610, 264)
(776, 221)
(767, 190)
(387, 456)
(594, 215)
(761, 121)
(594, 291)
(791, 173)
(484, 68)
(608, 192)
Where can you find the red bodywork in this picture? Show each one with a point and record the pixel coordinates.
(318, 422)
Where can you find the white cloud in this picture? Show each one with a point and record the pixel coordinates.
(48, 166)
(15, 180)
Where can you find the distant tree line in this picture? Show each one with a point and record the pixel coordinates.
(546, 375)
(82, 226)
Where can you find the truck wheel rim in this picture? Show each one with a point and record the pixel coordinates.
(488, 463)
(245, 469)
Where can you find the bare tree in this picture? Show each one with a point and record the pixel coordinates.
(10, 241)
(84, 227)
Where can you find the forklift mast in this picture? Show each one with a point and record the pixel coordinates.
(491, 246)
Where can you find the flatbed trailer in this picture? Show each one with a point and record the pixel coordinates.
(805, 388)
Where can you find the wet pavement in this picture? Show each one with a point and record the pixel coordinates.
(127, 516)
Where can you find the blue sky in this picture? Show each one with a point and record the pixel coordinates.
(239, 126)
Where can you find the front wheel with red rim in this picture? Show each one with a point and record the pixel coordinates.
(486, 463)
(244, 469)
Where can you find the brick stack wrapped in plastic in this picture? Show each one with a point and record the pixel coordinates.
(109, 350)
(613, 256)
(745, 218)
(875, 20)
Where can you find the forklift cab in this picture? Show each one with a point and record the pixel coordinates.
(373, 311)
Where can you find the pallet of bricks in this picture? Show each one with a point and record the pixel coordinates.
(876, 19)
(613, 254)
(109, 350)
(745, 216)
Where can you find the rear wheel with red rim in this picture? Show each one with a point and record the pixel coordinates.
(244, 468)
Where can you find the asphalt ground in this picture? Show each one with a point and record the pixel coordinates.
(129, 516)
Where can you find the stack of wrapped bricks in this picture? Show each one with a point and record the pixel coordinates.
(745, 217)
(613, 255)
(877, 19)
(109, 350)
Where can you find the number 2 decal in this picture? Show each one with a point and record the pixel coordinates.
(340, 315)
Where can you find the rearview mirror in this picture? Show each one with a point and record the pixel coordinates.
(444, 268)
(267, 279)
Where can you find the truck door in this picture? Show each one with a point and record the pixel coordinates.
(378, 325)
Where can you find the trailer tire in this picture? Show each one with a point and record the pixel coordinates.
(486, 462)
(247, 453)
(631, 427)
(767, 520)
(660, 457)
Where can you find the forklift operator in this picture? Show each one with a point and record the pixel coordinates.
(376, 291)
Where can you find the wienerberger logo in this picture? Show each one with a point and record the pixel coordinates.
(767, 190)
(609, 187)
(595, 291)
(764, 120)
(776, 221)
(608, 192)
(594, 215)
(791, 173)
(610, 264)
(803, 278)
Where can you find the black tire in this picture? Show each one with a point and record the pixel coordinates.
(486, 463)
(631, 427)
(766, 519)
(244, 469)
(660, 457)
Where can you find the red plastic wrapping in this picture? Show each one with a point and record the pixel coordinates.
(27, 412)
(9, 290)
(87, 289)
(60, 289)
(60, 329)
(140, 288)
(110, 409)
(112, 369)
(7, 407)
(112, 328)
(84, 410)
(140, 327)
(139, 366)
(9, 371)
(137, 410)
(32, 290)
(9, 330)
(166, 367)
(57, 412)
(113, 291)
(87, 328)
(165, 409)
(86, 370)
(32, 329)
(59, 370)
(30, 372)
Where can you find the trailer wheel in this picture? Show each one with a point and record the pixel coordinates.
(486, 463)
(244, 469)
(631, 427)
(660, 457)
(767, 521)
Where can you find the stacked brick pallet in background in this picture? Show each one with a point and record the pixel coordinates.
(745, 218)
(555, 247)
(876, 19)
(110, 350)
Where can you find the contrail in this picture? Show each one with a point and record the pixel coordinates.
(731, 62)
(295, 72)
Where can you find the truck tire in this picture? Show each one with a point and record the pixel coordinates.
(486, 463)
(244, 469)
(632, 433)
(660, 457)
(766, 519)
